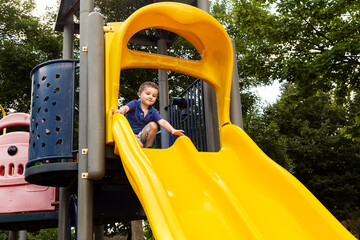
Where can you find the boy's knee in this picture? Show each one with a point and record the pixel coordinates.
(153, 126)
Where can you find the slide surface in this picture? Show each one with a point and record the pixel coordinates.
(236, 193)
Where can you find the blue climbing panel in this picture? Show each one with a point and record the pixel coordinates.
(52, 110)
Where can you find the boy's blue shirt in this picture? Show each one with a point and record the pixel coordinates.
(136, 118)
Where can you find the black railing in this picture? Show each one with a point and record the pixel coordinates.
(187, 112)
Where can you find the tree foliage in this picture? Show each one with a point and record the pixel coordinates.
(253, 27)
(323, 45)
(267, 136)
(114, 229)
(46, 234)
(25, 43)
(3, 234)
(324, 160)
(314, 44)
(311, 43)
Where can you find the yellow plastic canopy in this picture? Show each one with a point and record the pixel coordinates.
(196, 26)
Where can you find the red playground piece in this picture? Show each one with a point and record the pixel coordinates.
(16, 194)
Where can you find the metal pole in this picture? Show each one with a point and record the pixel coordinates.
(99, 232)
(211, 113)
(163, 89)
(211, 119)
(13, 235)
(68, 38)
(235, 104)
(85, 185)
(64, 192)
(203, 5)
(96, 97)
(137, 232)
(22, 235)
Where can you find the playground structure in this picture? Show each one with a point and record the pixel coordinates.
(53, 156)
(235, 193)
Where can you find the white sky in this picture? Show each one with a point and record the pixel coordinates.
(41, 5)
(268, 94)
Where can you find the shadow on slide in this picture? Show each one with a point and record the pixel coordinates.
(236, 193)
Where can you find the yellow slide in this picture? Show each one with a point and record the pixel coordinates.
(236, 193)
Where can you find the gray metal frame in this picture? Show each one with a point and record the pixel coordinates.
(85, 185)
(64, 192)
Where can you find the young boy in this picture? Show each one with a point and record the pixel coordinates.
(143, 117)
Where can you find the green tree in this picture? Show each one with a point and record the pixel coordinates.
(267, 136)
(3, 234)
(323, 45)
(115, 229)
(148, 235)
(312, 43)
(324, 160)
(25, 42)
(253, 27)
(45, 234)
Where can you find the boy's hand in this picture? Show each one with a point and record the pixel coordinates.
(123, 110)
(178, 132)
(117, 111)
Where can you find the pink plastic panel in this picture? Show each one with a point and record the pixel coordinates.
(15, 119)
(16, 194)
(14, 137)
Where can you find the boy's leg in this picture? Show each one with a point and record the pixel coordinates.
(140, 143)
(152, 134)
(148, 134)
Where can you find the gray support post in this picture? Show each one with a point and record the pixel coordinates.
(96, 97)
(163, 90)
(85, 185)
(17, 235)
(235, 104)
(13, 235)
(203, 5)
(99, 232)
(64, 195)
(211, 113)
(22, 235)
(211, 119)
(64, 192)
(137, 232)
(68, 38)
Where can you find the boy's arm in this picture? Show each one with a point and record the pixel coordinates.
(165, 124)
(123, 110)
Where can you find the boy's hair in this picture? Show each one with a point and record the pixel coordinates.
(148, 84)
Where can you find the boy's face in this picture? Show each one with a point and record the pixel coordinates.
(148, 96)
